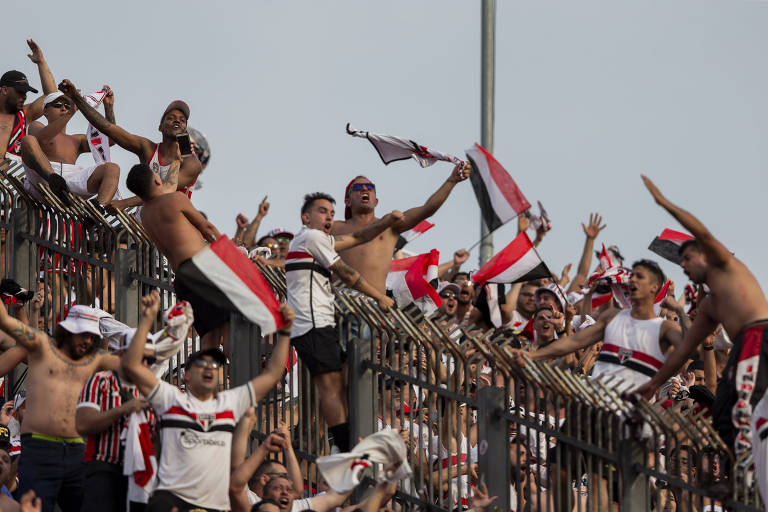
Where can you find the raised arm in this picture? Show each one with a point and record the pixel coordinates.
(354, 280)
(238, 480)
(435, 201)
(570, 344)
(27, 337)
(141, 376)
(90, 421)
(109, 114)
(35, 109)
(290, 460)
(591, 231)
(717, 254)
(267, 379)
(249, 237)
(447, 270)
(139, 146)
(368, 233)
(203, 225)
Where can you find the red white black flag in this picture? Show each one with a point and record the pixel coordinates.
(660, 297)
(418, 229)
(414, 279)
(391, 149)
(516, 263)
(668, 243)
(500, 199)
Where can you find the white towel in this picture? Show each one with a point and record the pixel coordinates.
(140, 463)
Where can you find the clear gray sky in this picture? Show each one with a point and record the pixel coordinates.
(589, 94)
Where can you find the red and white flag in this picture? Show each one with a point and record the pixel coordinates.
(668, 243)
(516, 263)
(418, 230)
(500, 199)
(414, 280)
(228, 279)
(391, 149)
(97, 141)
(660, 297)
(139, 463)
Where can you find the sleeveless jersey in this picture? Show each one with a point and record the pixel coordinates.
(630, 350)
(18, 133)
(156, 165)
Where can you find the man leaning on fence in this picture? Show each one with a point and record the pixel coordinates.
(311, 258)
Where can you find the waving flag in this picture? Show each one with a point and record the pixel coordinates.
(97, 141)
(497, 193)
(668, 243)
(516, 263)
(660, 297)
(414, 279)
(391, 149)
(419, 229)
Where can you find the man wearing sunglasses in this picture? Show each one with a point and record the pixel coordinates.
(14, 114)
(196, 425)
(373, 258)
(50, 154)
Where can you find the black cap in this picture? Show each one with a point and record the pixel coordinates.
(215, 353)
(17, 80)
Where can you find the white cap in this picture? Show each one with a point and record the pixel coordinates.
(82, 319)
(52, 97)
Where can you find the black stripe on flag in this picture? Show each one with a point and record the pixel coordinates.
(538, 272)
(401, 241)
(193, 285)
(481, 193)
(667, 249)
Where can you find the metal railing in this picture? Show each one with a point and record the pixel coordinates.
(540, 437)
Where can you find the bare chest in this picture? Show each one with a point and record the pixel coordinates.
(62, 148)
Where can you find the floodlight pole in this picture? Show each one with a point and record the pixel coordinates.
(488, 48)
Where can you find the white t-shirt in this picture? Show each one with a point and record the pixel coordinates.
(308, 280)
(197, 438)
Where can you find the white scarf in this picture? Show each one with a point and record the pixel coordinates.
(97, 141)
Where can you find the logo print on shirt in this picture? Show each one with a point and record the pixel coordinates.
(625, 355)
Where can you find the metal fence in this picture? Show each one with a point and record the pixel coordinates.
(540, 437)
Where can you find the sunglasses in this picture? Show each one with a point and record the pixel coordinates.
(448, 295)
(206, 363)
(60, 104)
(357, 187)
(283, 239)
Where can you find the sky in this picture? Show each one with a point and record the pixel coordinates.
(589, 95)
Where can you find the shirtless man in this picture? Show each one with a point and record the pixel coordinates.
(50, 154)
(172, 122)
(635, 344)
(14, 114)
(736, 301)
(373, 258)
(59, 366)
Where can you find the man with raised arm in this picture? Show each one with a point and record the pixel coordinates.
(735, 299)
(311, 258)
(59, 366)
(635, 344)
(172, 122)
(14, 114)
(50, 154)
(196, 425)
(372, 259)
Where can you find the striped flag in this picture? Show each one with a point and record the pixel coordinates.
(668, 243)
(418, 229)
(391, 149)
(226, 278)
(516, 263)
(497, 193)
(414, 279)
(660, 297)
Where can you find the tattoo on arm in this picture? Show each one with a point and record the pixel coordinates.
(109, 113)
(345, 272)
(357, 281)
(24, 332)
(90, 113)
(172, 177)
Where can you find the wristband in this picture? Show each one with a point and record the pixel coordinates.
(560, 333)
(283, 332)
(711, 347)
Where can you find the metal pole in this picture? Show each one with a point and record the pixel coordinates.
(487, 104)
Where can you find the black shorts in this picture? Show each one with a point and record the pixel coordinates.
(319, 350)
(208, 316)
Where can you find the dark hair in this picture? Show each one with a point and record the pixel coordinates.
(139, 180)
(653, 268)
(457, 274)
(309, 199)
(272, 481)
(696, 364)
(689, 243)
(264, 467)
(63, 338)
(543, 307)
(267, 501)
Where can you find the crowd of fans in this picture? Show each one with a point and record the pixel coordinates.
(97, 399)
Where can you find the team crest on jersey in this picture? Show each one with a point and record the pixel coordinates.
(625, 355)
(205, 420)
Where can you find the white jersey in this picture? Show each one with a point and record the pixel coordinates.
(196, 442)
(631, 350)
(308, 280)
(156, 165)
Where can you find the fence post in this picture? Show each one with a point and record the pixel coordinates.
(361, 384)
(19, 268)
(635, 497)
(126, 287)
(244, 350)
(493, 445)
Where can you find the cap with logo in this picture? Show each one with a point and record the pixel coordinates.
(17, 80)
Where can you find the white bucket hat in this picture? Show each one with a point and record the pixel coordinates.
(82, 319)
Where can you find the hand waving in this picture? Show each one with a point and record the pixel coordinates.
(593, 228)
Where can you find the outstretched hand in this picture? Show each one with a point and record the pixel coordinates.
(109, 99)
(480, 498)
(263, 208)
(654, 190)
(460, 257)
(150, 304)
(288, 315)
(242, 221)
(593, 228)
(37, 54)
(460, 172)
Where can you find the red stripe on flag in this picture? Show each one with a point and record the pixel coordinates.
(504, 181)
(662, 293)
(402, 264)
(674, 236)
(417, 284)
(248, 273)
(423, 226)
(516, 249)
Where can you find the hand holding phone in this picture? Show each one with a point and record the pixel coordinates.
(185, 145)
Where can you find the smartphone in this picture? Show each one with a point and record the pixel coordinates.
(185, 146)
